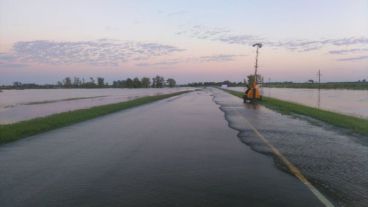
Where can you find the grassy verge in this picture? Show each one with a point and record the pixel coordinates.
(355, 124)
(12, 132)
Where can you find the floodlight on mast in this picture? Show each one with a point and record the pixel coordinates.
(258, 45)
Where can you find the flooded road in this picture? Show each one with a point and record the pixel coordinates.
(351, 102)
(335, 163)
(20, 105)
(175, 152)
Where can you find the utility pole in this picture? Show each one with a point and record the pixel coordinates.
(319, 79)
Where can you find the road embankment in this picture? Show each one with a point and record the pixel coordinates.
(15, 131)
(353, 124)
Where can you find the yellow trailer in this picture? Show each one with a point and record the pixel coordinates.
(253, 92)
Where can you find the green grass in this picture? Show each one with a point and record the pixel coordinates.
(15, 131)
(355, 124)
(58, 100)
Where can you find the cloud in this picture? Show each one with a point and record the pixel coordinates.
(349, 41)
(364, 57)
(160, 63)
(238, 39)
(309, 45)
(349, 51)
(360, 54)
(8, 61)
(201, 59)
(297, 45)
(218, 34)
(7, 57)
(203, 32)
(102, 52)
(12, 65)
(219, 58)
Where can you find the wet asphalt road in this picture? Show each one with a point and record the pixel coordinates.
(176, 152)
(335, 161)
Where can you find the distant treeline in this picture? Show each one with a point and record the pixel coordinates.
(250, 79)
(203, 84)
(360, 85)
(357, 85)
(159, 82)
(99, 82)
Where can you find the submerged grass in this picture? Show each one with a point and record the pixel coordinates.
(355, 124)
(59, 100)
(12, 132)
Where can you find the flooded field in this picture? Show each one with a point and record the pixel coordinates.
(19, 105)
(351, 102)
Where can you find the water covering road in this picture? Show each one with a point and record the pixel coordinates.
(182, 152)
(335, 162)
(176, 152)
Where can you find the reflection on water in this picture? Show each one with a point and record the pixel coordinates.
(254, 106)
(319, 99)
(352, 102)
(19, 105)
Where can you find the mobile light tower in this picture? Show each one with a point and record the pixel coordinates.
(253, 92)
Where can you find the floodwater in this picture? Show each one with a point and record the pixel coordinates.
(335, 162)
(196, 149)
(351, 102)
(19, 105)
(174, 152)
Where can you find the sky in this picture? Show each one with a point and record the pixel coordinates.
(43, 41)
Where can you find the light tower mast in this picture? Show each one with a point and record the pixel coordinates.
(258, 45)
